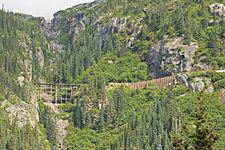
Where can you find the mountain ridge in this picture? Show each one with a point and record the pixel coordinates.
(109, 42)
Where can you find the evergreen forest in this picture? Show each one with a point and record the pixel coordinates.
(103, 53)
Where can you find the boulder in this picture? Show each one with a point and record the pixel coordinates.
(21, 80)
(217, 9)
(202, 84)
(197, 85)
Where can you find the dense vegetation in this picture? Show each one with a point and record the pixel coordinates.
(188, 19)
(105, 117)
(128, 68)
(19, 43)
(19, 40)
(150, 119)
(144, 119)
(14, 137)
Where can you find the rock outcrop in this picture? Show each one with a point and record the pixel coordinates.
(40, 56)
(171, 56)
(196, 84)
(217, 9)
(21, 80)
(22, 113)
(74, 21)
(73, 24)
(60, 123)
(183, 78)
(202, 84)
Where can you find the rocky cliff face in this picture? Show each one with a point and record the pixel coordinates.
(71, 21)
(77, 19)
(167, 57)
(22, 113)
(171, 56)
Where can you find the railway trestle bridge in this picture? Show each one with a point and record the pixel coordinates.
(57, 93)
(62, 93)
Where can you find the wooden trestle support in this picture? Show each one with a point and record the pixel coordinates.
(57, 93)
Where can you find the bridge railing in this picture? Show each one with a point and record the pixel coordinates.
(161, 82)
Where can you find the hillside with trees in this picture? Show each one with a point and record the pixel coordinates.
(102, 46)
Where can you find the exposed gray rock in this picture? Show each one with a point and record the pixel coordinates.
(78, 21)
(209, 90)
(4, 103)
(55, 46)
(217, 9)
(25, 42)
(77, 24)
(23, 113)
(110, 62)
(60, 123)
(209, 86)
(197, 85)
(116, 25)
(21, 80)
(122, 23)
(200, 66)
(75, 20)
(171, 56)
(53, 32)
(40, 57)
(183, 78)
(200, 84)
(28, 69)
(214, 22)
(133, 36)
(28, 65)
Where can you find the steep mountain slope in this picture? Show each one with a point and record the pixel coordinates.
(151, 29)
(169, 37)
(22, 50)
(117, 41)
